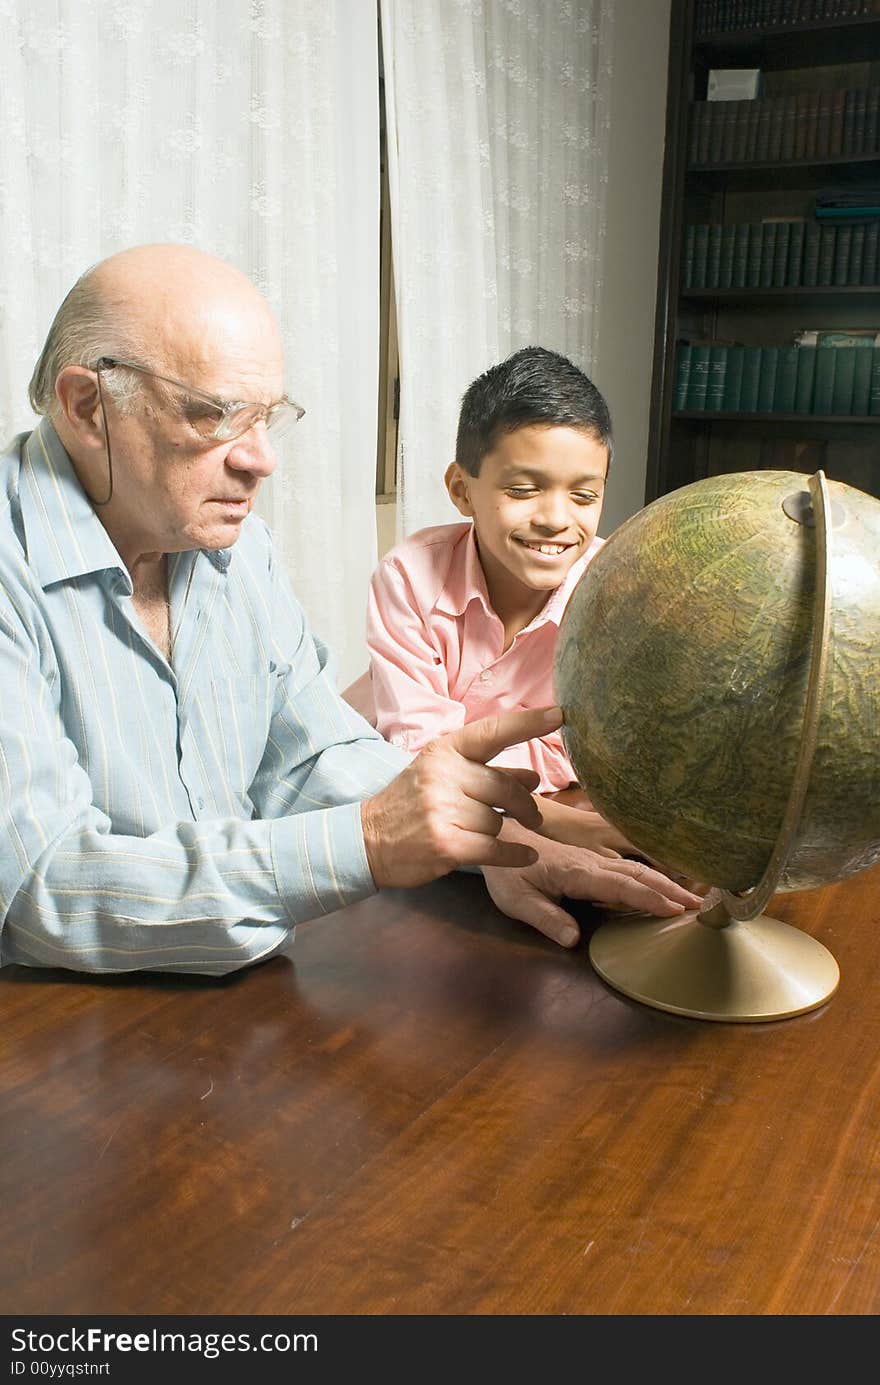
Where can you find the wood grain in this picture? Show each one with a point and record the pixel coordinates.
(429, 1109)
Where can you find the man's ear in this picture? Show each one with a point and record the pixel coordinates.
(458, 485)
(76, 390)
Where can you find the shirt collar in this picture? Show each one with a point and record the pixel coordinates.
(65, 538)
(466, 582)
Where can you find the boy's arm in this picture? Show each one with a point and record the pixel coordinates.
(409, 676)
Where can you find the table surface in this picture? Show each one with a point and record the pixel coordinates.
(428, 1109)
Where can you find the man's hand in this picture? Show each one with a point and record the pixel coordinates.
(532, 894)
(440, 812)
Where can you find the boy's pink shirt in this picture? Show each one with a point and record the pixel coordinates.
(436, 649)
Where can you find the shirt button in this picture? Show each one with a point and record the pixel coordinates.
(200, 802)
(485, 676)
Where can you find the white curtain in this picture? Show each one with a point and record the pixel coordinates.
(498, 134)
(248, 128)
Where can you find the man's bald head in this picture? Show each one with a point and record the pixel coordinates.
(162, 305)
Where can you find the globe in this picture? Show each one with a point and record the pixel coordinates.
(718, 667)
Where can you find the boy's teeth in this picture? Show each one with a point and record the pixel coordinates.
(554, 548)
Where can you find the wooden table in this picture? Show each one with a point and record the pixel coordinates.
(428, 1109)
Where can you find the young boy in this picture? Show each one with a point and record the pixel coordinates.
(463, 618)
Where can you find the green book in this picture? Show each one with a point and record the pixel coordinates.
(768, 253)
(698, 383)
(823, 387)
(687, 257)
(730, 401)
(856, 255)
(861, 395)
(725, 269)
(874, 399)
(713, 258)
(844, 374)
(767, 379)
(806, 371)
(755, 252)
(682, 375)
(786, 380)
(740, 255)
(810, 267)
(780, 253)
(842, 244)
(794, 266)
(701, 252)
(748, 394)
(869, 257)
(717, 372)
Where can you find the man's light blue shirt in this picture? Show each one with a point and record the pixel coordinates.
(181, 816)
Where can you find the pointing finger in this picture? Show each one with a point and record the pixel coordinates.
(481, 740)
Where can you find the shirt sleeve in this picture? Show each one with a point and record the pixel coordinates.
(409, 675)
(197, 896)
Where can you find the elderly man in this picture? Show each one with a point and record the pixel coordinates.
(181, 781)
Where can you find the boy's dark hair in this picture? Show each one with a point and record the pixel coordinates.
(533, 386)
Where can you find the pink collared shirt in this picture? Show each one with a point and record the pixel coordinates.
(436, 649)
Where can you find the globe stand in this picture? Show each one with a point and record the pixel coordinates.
(730, 961)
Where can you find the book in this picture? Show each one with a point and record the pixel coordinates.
(725, 264)
(823, 384)
(842, 243)
(768, 253)
(733, 376)
(701, 256)
(810, 270)
(755, 255)
(874, 399)
(767, 379)
(682, 375)
(698, 381)
(786, 380)
(717, 372)
(838, 336)
(740, 255)
(844, 375)
(861, 391)
(780, 253)
(870, 254)
(793, 268)
(806, 369)
(748, 394)
(856, 254)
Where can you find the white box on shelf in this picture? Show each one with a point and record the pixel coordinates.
(733, 83)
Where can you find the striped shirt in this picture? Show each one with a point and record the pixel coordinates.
(154, 816)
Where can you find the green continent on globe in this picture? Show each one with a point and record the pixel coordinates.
(682, 666)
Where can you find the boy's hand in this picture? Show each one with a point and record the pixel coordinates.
(532, 894)
(440, 812)
(581, 827)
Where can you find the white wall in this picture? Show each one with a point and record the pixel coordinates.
(626, 321)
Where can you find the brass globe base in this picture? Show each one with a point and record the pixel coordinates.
(757, 970)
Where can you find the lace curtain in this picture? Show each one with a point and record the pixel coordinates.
(248, 128)
(498, 136)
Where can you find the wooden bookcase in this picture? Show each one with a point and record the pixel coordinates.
(799, 56)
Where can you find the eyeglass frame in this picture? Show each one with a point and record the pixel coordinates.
(226, 407)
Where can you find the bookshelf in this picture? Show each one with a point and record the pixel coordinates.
(766, 234)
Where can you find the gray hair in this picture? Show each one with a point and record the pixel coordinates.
(85, 328)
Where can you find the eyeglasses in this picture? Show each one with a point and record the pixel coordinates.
(216, 420)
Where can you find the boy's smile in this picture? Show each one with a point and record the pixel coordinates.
(536, 505)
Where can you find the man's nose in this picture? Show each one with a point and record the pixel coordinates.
(253, 452)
